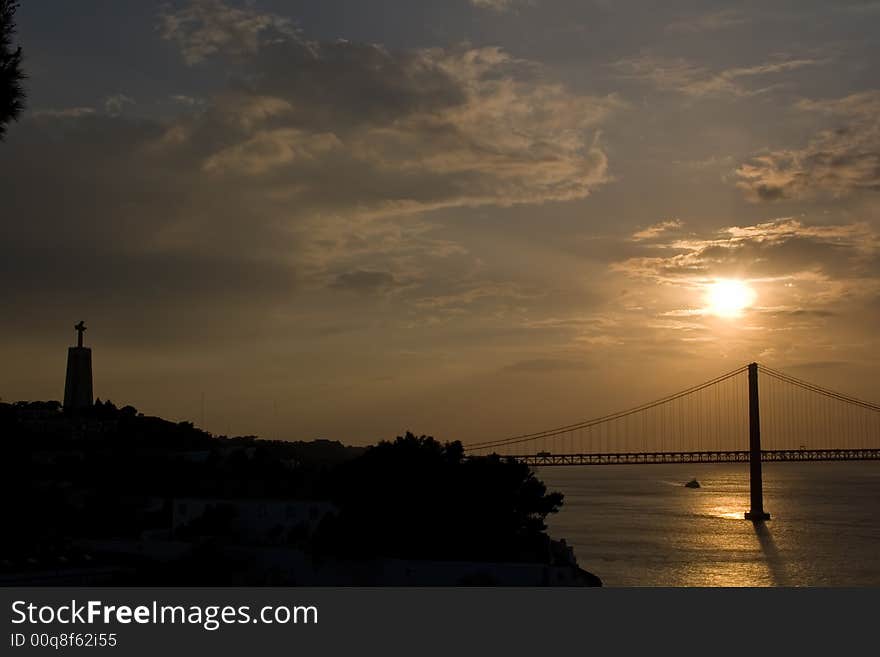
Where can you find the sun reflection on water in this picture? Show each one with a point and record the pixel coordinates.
(738, 553)
(642, 527)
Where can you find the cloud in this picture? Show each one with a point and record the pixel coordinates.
(402, 131)
(207, 27)
(836, 162)
(364, 281)
(471, 292)
(683, 76)
(711, 22)
(656, 230)
(115, 104)
(779, 248)
(299, 179)
(67, 112)
(188, 101)
(498, 5)
(269, 149)
(815, 286)
(802, 270)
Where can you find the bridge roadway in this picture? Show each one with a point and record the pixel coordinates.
(740, 456)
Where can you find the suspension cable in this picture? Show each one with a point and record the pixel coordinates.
(819, 389)
(548, 433)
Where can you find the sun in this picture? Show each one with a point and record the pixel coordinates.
(729, 297)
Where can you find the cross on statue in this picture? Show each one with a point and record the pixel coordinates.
(80, 329)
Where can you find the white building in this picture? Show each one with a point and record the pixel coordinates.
(250, 521)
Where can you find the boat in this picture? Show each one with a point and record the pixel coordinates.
(693, 483)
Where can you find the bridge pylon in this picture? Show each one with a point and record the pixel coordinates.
(756, 513)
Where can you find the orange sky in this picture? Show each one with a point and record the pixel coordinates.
(467, 219)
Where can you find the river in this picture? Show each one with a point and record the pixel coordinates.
(637, 525)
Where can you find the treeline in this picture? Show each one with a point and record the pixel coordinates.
(113, 472)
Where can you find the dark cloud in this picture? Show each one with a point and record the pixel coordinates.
(298, 169)
(306, 158)
(364, 281)
(837, 162)
(206, 27)
(343, 85)
(401, 131)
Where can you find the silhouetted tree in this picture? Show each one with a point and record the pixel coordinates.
(11, 74)
(420, 499)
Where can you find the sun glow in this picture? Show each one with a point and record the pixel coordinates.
(729, 298)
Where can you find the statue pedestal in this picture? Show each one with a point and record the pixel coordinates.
(78, 385)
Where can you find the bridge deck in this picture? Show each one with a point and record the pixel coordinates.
(742, 456)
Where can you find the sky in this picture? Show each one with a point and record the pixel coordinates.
(473, 218)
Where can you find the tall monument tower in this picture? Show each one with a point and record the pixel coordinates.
(78, 385)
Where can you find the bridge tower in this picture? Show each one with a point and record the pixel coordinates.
(756, 513)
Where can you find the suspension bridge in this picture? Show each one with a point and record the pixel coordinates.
(723, 420)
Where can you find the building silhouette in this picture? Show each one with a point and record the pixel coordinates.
(78, 384)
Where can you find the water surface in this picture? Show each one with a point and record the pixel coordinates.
(637, 525)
